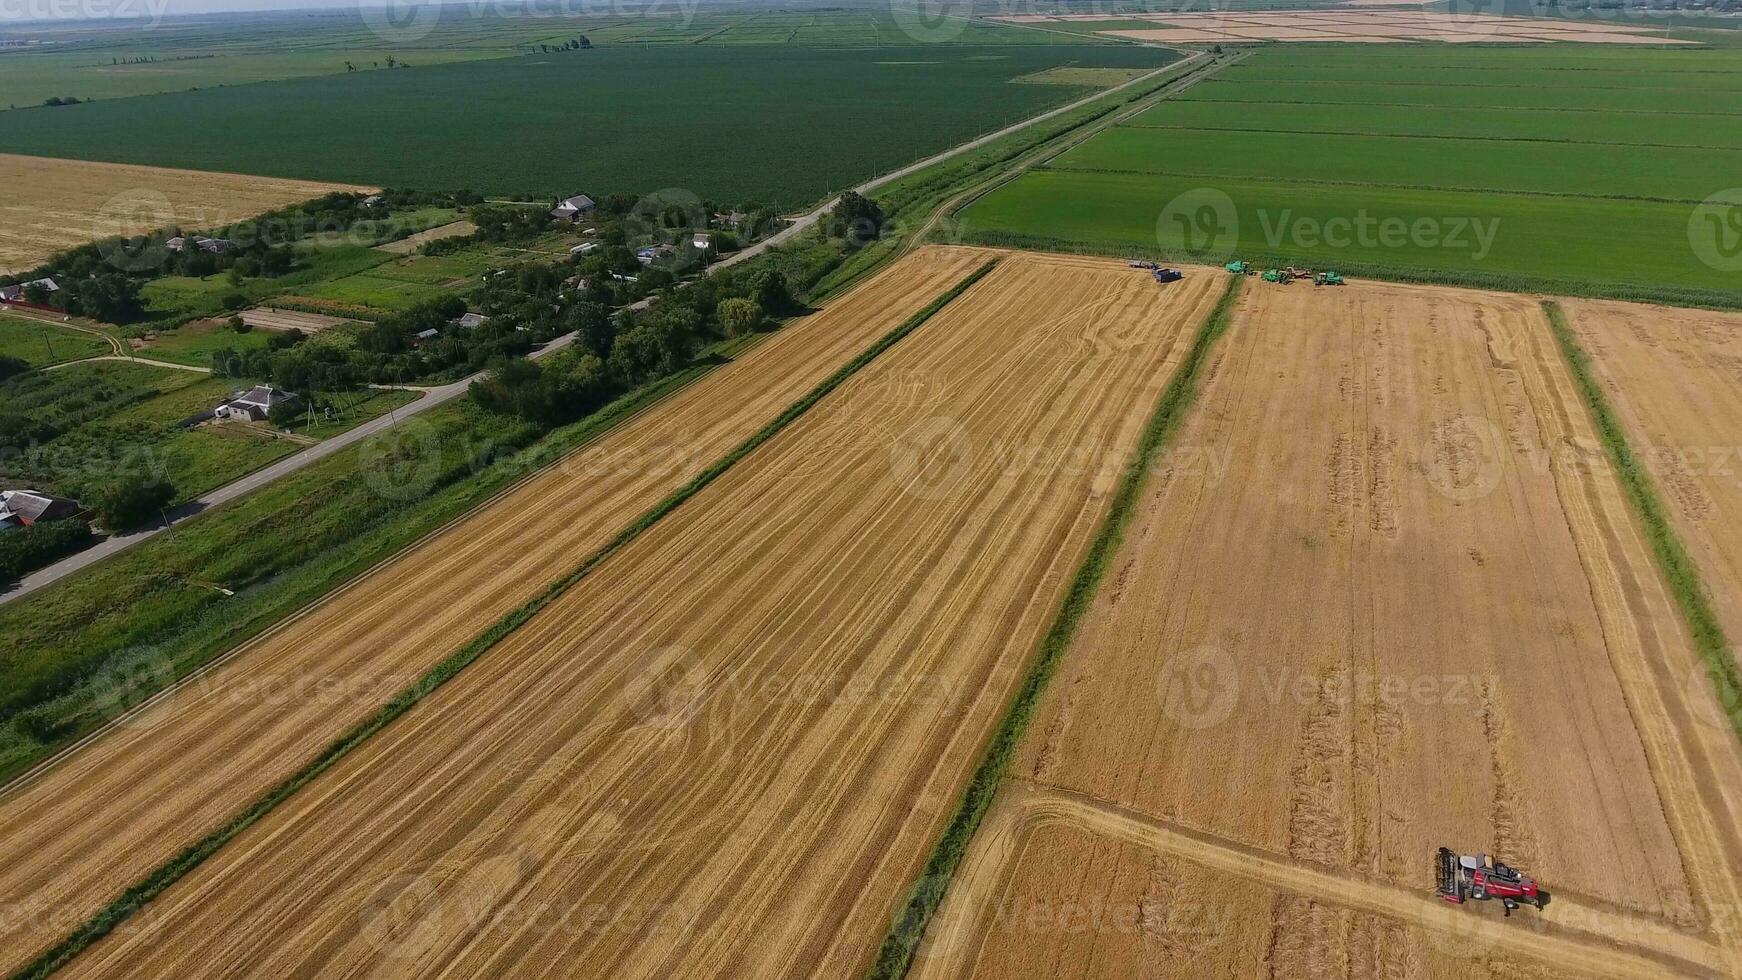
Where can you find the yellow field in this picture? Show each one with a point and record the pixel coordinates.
(85, 829)
(49, 205)
(727, 751)
(1385, 597)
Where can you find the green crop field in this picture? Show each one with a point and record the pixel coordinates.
(1595, 169)
(1563, 125)
(1587, 185)
(778, 124)
(85, 62)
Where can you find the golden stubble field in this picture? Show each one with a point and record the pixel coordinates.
(1674, 376)
(48, 205)
(1384, 596)
(727, 752)
(85, 829)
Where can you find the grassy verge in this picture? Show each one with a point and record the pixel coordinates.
(1679, 570)
(909, 926)
(167, 874)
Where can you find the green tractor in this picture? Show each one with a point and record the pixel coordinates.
(1276, 275)
(1328, 279)
(1240, 268)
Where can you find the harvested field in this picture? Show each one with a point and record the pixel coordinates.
(1372, 25)
(111, 811)
(50, 205)
(1675, 378)
(410, 243)
(730, 747)
(1383, 597)
(268, 318)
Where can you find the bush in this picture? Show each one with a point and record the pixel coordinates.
(739, 316)
(12, 366)
(240, 325)
(132, 500)
(27, 549)
(234, 301)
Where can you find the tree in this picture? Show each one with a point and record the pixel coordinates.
(856, 219)
(770, 291)
(239, 325)
(592, 322)
(131, 500)
(12, 366)
(739, 316)
(284, 414)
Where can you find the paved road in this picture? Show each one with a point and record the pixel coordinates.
(445, 393)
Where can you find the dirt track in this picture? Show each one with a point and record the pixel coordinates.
(132, 799)
(1383, 597)
(726, 751)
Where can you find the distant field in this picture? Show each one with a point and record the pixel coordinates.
(726, 123)
(88, 63)
(49, 205)
(1593, 188)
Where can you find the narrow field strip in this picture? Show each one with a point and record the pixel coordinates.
(1202, 95)
(1679, 570)
(908, 928)
(1558, 140)
(750, 721)
(187, 763)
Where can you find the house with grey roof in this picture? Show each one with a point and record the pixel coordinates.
(572, 208)
(22, 508)
(256, 404)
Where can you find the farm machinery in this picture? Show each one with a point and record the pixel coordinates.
(1162, 273)
(1240, 267)
(1328, 279)
(1464, 877)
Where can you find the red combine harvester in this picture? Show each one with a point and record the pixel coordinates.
(1463, 876)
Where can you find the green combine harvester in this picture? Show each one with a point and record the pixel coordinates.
(1328, 279)
(1239, 268)
(1276, 275)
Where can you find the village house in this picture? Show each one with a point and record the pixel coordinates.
(213, 245)
(256, 404)
(572, 208)
(469, 321)
(22, 508)
(14, 294)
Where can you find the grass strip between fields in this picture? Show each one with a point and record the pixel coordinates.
(909, 926)
(154, 884)
(1679, 570)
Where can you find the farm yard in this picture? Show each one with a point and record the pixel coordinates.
(1560, 169)
(174, 781)
(1098, 339)
(1384, 596)
(50, 205)
(410, 128)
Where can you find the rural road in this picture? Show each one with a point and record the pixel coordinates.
(43, 577)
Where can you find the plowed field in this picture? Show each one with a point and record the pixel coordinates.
(726, 751)
(131, 799)
(1384, 597)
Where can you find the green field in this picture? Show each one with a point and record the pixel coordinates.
(1588, 94)
(1565, 125)
(1597, 194)
(85, 61)
(727, 123)
(193, 343)
(1540, 167)
(41, 344)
